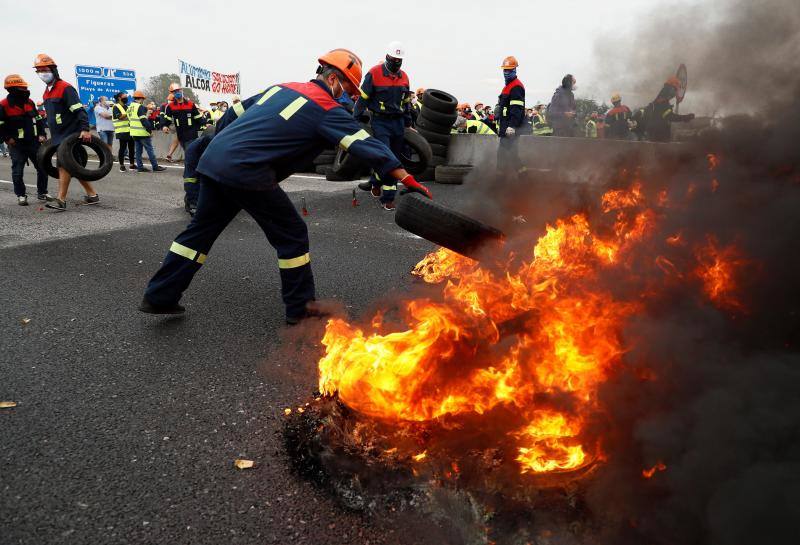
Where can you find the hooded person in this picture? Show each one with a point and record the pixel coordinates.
(562, 109)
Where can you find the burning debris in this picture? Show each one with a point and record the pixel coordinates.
(626, 372)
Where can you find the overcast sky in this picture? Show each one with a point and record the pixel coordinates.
(455, 46)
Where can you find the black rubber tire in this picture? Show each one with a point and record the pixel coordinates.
(437, 160)
(69, 158)
(420, 148)
(325, 158)
(48, 150)
(430, 126)
(435, 138)
(437, 117)
(44, 158)
(428, 176)
(452, 174)
(439, 149)
(439, 101)
(432, 221)
(336, 177)
(345, 164)
(324, 169)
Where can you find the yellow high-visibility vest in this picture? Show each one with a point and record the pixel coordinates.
(121, 125)
(135, 120)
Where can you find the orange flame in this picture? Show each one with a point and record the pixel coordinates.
(718, 269)
(648, 473)
(504, 339)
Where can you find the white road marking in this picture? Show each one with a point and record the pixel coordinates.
(12, 183)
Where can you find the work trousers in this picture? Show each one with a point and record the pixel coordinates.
(126, 145)
(146, 144)
(20, 153)
(390, 131)
(191, 189)
(217, 205)
(508, 161)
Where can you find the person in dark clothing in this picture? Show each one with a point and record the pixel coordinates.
(188, 123)
(660, 115)
(243, 166)
(122, 130)
(618, 119)
(65, 116)
(511, 117)
(22, 129)
(562, 109)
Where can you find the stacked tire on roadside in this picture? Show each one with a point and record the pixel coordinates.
(434, 123)
(323, 163)
(416, 159)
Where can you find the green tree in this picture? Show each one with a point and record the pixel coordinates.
(586, 107)
(157, 88)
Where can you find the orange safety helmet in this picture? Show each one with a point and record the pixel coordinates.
(42, 60)
(509, 63)
(347, 62)
(14, 80)
(673, 82)
(174, 87)
(138, 94)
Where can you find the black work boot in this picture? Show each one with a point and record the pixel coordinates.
(149, 308)
(312, 310)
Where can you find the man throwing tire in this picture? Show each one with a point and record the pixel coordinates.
(243, 166)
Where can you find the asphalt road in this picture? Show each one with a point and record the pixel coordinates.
(127, 425)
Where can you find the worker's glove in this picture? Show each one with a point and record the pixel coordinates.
(510, 131)
(413, 186)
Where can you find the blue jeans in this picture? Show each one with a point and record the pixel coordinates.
(106, 136)
(3, 148)
(147, 144)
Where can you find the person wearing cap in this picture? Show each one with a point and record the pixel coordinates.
(660, 115)
(618, 119)
(22, 129)
(386, 94)
(141, 128)
(65, 116)
(511, 117)
(243, 166)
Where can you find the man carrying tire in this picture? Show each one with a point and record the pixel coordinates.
(243, 165)
(511, 122)
(65, 116)
(22, 129)
(141, 127)
(387, 96)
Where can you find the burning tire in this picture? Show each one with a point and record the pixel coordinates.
(443, 226)
(73, 158)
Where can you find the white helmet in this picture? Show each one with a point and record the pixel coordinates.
(396, 50)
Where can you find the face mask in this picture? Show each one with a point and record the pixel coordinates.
(341, 89)
(46, 77)
(509, 75)
(124, 100)
(177, 95)
(393, 65)
(19, 96)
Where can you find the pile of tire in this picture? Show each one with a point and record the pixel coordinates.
(72, 156)
(416, 159)
(323, 163)
(434, 123)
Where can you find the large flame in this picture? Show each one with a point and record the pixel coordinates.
(544, 326)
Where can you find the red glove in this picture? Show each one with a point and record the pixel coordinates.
(413, 186)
